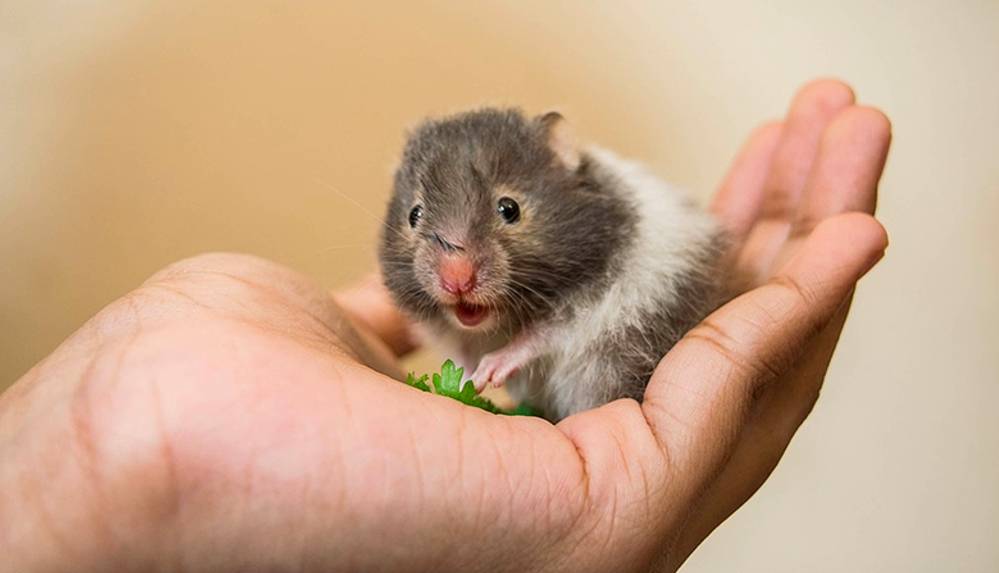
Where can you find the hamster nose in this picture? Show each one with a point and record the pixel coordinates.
(457, 274)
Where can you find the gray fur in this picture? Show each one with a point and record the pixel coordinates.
(610, 267)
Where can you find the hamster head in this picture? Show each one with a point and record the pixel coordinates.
(494, 219)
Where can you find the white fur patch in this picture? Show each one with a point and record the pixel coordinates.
(671, 233)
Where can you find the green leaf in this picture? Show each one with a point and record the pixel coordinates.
(449, 380)
(448, 383)
(468, 392)
(418, 383)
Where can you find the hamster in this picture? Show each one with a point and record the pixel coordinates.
(564, 272)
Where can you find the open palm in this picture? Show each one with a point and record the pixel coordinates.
(230, 415)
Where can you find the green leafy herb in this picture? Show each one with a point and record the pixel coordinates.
(448, 382)
(418, 383)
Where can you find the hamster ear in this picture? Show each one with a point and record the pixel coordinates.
(561, 139)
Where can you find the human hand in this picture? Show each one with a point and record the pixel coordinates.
(230, 415)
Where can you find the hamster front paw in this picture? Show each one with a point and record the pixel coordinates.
(497, 367)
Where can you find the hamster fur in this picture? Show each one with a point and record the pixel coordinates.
(572, 302)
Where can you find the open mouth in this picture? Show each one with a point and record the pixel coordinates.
(469, 314)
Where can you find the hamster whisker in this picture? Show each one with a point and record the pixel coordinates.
(347, 246)
(541, 296)
(379, 219)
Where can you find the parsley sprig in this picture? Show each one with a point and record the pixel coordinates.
(448, 382)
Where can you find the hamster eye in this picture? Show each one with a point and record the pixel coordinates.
(415, 215)
(508, 209)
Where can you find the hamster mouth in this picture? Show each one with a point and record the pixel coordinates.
(470, 315)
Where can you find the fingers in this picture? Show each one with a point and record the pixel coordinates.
(699, 397)
(369, 303)
(812, 109)
(738, 201)
(845, 176)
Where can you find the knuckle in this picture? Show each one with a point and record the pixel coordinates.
(804, 225)
(755, 368)
(794, 288)
(779, 205)
(801, 297)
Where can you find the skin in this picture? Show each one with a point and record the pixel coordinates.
(229, 415)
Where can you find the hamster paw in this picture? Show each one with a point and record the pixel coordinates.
(497, 367)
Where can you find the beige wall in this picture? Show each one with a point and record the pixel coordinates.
(136, 133)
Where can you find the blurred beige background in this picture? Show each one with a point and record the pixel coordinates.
(136, 133)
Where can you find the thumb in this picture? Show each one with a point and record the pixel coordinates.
(700, 396)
